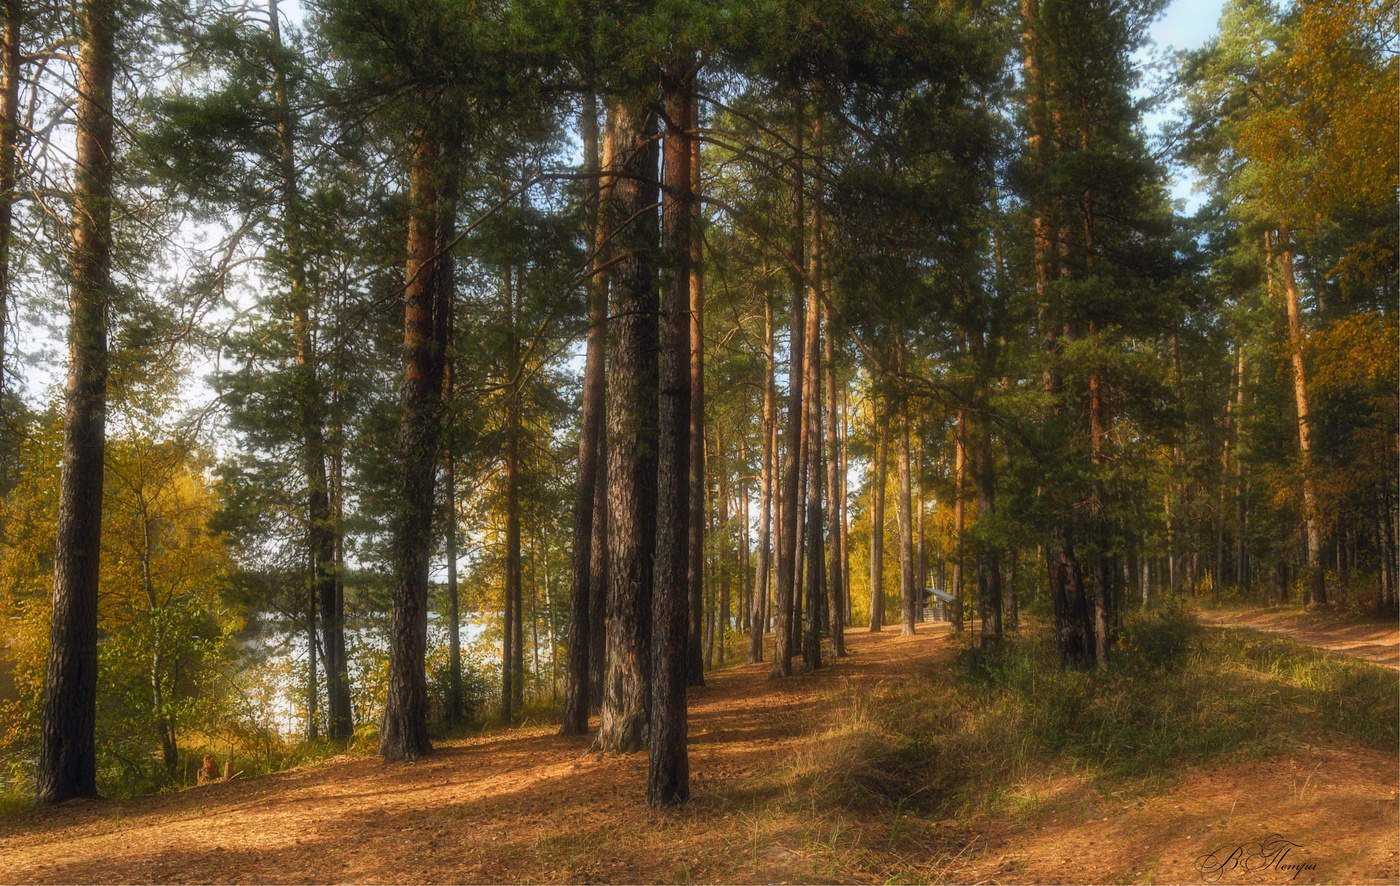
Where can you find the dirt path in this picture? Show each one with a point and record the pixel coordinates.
(525, 806)
(517, 806)
(1372, 640)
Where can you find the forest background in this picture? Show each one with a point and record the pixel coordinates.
(1079, 398)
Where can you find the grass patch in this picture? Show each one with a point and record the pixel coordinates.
(136, 778)
(961, 739)
(13, 804)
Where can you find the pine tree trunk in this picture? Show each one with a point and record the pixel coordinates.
(67, 755)
(1317, 586)
(1169, 518)
(1392, 529)
(514, 585)
(799, 565)
(535, 669)
(711, 578)
(1170, 493)
(906, 529)
(920, 556)
(1217, 580)
(1100, 563)
(1389, 578)
(877, 529)
(1072, 626)
(320, 534)
(338, 720)
(959, 517)
(695, 574)
(575, 720)
(712, 567)
(721, 547)
(770, 606)
(598, 569)
(312, 692)
(708, 631)
(765, 496)
(988, 554)
(632, 431)
(1073, 636)
(598, 572)
(845, 512)
(551, 613)
(337, 490)
(508, 619)
(514, 582)
(743, 590)
(815, 585)
(512, 637)
(1241, 549)
(427, 305)
(9, 161)
(836, 615)
(760, 573)
(788, 566)
(668, 778)
(1101, 560)
(454, 618)
(1013, 603)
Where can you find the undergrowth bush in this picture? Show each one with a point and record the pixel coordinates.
(955, 738)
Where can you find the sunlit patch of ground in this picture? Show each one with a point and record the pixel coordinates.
(525, 805)
(1370, 640)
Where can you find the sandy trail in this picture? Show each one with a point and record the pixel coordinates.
(1374, 640)
(507, 806)
(525, 805)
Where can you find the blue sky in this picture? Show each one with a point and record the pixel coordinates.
(1186, 24)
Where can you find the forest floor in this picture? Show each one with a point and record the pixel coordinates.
(1369, 639)
(525, 805)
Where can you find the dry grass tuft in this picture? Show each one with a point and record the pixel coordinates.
(952, 741)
